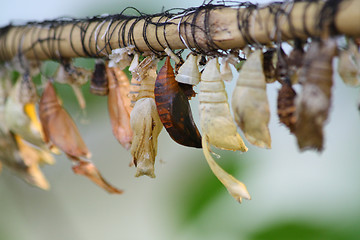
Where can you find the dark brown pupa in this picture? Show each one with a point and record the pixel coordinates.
(174, 109)
(286, 106)
(99, 80)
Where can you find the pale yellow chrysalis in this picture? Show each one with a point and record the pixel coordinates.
(349, 65)
(189, 71)
(250, 103)
(236, 188)
(215, 117)
(145, 122)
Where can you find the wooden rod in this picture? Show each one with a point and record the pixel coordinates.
(205, 30)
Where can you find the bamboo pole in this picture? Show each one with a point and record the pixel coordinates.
(92, 38)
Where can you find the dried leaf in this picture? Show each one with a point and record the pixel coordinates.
(59, 128)
(236, 188)
(119, 106)
(89, 170)
(174, 109)
(250, 104)
(313, 103)
(215, 117)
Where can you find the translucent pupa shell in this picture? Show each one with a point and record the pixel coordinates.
(349, 65)
(99, 81)
(250, 103)
(121, 57)
(21, 117)
(313, 102)
(119, 106)
(174, 108)
(189, 71)
(236, 188)
(215, 117)
(146, 126)
(59, 129)
(67, 73)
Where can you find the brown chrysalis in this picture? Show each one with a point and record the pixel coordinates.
(119, 106)
(174, 109)
(286, 106)
(99, 81)
(59, 128)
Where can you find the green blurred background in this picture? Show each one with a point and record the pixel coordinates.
(295, 195)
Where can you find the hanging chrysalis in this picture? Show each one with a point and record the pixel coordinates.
(313, 103)
(20, 112)
(286, 106)
(119, 106)
(59, 129)
(174, 109)
(270, 61)
(89, 170)
(349, 65)
(236, 188)
(215, 117)
(99, 81)
(145, 122)
(249, 102)
(189, 71)
(74, 76)
(295, 61)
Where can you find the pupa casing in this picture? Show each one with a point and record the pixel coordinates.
(250, 103)
(313, 102)
(189, 71)
(215, 117)
(174, 109)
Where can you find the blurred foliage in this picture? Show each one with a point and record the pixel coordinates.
(298, 230)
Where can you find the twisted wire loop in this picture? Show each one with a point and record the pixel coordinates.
(97, 36)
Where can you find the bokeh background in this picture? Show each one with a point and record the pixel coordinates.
(296, 195)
